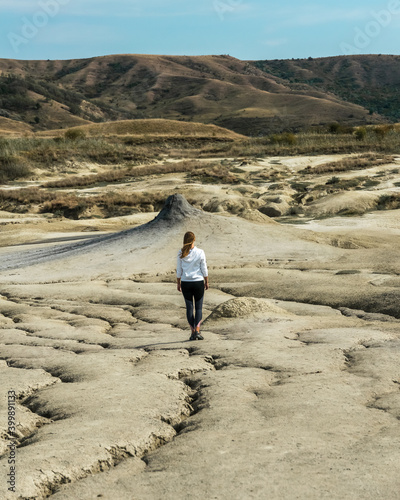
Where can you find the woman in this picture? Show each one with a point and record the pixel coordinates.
(192, 280)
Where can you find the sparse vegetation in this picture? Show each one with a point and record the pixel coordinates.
(72, 206)
(339, 128)
(308, 143)
(366, 80)
(287, 139)
(214, 174)
(354, 163)
(119, 174)
(360, 134)
(128, 158)
(12, 166)
(343, 184)
(381, 131)
(389, 202)
(74, 134)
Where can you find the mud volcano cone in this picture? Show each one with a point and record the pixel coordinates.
(176, 208)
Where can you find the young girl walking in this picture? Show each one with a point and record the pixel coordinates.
(192, 280)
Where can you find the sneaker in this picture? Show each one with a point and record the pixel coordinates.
(193, 336)
(199, 336)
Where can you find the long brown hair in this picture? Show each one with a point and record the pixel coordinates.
(188, 239)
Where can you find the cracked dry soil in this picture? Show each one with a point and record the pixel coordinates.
(283, 399)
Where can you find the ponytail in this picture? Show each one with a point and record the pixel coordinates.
(188, 239)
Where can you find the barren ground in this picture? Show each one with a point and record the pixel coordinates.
(294, 393)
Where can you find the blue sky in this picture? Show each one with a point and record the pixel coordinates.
(247, 29)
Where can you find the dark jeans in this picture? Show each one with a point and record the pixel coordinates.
(193, 290)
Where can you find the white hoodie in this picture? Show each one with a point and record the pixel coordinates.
(193, 267)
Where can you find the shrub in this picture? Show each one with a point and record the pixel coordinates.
(14, 170)
(70, 206)
(370, 183)
(214, 174)
(286, 138)
(382, 130)
(388, 202)
(333, 180)
(301, 187)
(12, 167)
(74, 134)
(337, 128)
(344, 184)
(334, 128)
(361, 134)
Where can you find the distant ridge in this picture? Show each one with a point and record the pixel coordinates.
(249, 97)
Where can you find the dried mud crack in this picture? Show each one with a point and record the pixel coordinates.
(293, 392)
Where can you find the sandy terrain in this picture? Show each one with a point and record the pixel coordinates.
(294, 393)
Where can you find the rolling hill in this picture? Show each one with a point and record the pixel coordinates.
(149, 127)
(249, 97)
(367, 80)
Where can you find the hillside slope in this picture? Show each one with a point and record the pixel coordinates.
(248, 97)
(372, 81)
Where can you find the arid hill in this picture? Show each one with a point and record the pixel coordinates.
(372, 81)
(249, 97)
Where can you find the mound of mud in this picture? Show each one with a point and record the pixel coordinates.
(256, 216)
(174, 212)
(175, 209)
(352, 202)
(245, 306)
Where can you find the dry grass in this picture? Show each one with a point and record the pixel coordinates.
(308, 143)
(148, 127)
(358, 163)
(122, 150)
(13, 168)
(389, 202)
(72, 206)
(12, 128)
(12, 165)
(117, 175)
(215, 174)
(110, 204)
(53, 153)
